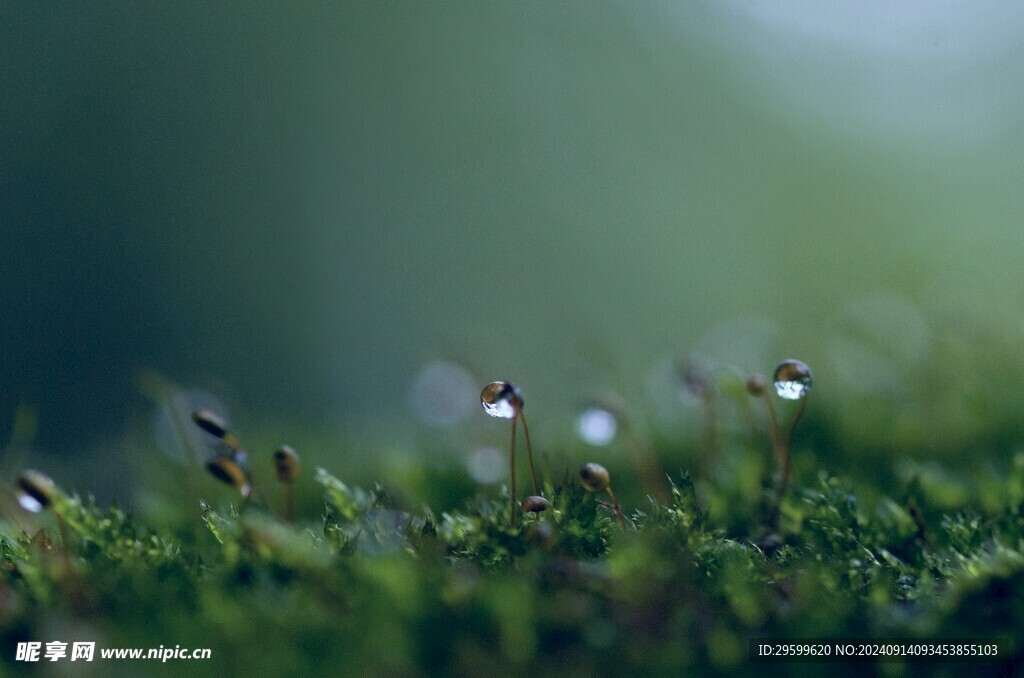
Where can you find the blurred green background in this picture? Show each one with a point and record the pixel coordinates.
(299, 206)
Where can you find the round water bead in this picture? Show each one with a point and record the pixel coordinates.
(792, 379)
(596, 426)
(501, 399)
(29, 503)
(594, 477)
(35, 491)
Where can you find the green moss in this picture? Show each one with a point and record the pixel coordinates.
(369, 585)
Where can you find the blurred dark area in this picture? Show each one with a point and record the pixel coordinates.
(151, 212)
(297, 207)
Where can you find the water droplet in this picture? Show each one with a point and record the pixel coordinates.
(486, 465)
(29, 503)
(792, 380)
(502, 400)
(596, 426)
(35, 491)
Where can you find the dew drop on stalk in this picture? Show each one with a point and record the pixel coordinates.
(596, 426)
(29, 503)
(502, 400)
(35, 491)
(792, 380)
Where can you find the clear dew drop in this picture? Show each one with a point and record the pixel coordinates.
(501, 399)
(35, 491)
(596, 426)
(29, 503)
(792, 380)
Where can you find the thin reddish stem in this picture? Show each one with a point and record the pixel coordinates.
(512, 470)
(781, 453)
(787, 470)
(529, 451)
(615, 505)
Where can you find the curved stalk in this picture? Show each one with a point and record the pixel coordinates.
(512, 471)
(787, 469)
(615, 505)
(529, 450)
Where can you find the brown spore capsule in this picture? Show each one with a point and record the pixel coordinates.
(229, 471)
(756, 385)
(594, 477)
(535, 504)
(286, 464)
(211, 423)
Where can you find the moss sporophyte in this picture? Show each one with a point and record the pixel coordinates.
(535, 504)
(601, 421)
(231, 466)
(365, 582)
(595, 478)
(37, 492)
(504, 400)
(286, 466)
(792, 380)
